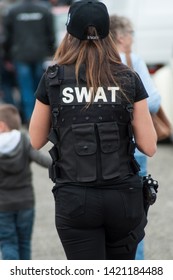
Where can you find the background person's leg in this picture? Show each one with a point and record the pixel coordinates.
(26, 87)
(142, 160)
(25, 220)
(8, 236)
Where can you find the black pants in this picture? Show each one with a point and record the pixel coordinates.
(90, 221)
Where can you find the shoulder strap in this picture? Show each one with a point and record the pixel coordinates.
(54, 77)
(55, 74)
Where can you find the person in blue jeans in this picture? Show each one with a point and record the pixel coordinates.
(29, 41)
(14, 224)
(16, 187)
(122, 31)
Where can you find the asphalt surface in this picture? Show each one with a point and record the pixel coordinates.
(159, 238)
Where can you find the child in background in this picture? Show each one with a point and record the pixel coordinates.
(16, 188)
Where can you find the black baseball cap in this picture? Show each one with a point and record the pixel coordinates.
(87, 13)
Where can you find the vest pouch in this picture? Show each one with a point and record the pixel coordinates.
(85, 151)
(109, 145)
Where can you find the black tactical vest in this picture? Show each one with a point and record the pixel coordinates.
(94, 145)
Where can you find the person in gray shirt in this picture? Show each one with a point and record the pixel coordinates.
(16, 187)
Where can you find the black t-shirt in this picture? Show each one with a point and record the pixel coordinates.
(135, 92)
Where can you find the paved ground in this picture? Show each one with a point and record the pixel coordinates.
(159, 237)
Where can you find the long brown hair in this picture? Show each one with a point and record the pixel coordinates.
(99, 56)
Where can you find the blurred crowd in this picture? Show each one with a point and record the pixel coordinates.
(27, 41)
(30, 31)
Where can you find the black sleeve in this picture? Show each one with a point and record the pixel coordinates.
(51, 39)
(7, 22)
(140, 91)
(41, 92)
